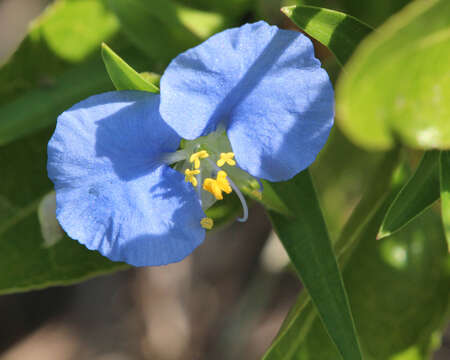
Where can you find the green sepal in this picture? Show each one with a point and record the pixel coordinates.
(122, 75)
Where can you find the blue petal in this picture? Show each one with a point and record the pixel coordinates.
(112, 192)
(123, 127)
(262, 83)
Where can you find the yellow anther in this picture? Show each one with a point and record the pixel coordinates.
(223, 182)
(195, 157)
(218, 185)
(207, 223)
(226, 158)
(190, 176)
(211, 186)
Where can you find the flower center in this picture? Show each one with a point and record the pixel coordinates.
(208, 165)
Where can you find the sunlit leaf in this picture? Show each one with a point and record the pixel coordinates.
(74, 29)
(396, 84)
(201, 23)
(53, 68)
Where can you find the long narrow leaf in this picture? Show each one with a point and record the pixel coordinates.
(383, 288)
(340, 32)
(419, 193)
(307, 243)
(302, 315)
(444, 170)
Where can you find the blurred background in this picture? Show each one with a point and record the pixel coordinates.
(225, 301)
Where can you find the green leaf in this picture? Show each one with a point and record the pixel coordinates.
(74, 29)
(396, 84)
(373, 197)
(123, 76)
(26, 262)
(398, 287)
(39, 108)
(373, 12)
(53, 69)
(154, 27)
(202, 23)
(302, 316)
(55, 42)
(419, 193)
(444, 170)
(340, 32)
(306, 241)
(232, 9)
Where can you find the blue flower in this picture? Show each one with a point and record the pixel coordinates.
(264, 86)
(252, 102)
(114, 192)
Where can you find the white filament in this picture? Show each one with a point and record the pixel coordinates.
(242, 199)
(172, 158)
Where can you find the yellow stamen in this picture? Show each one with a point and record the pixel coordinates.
(218, 185)
(207, 223)
(195, 158)
(223, 182)
(190, 176)
(211, 186)
(226, 158)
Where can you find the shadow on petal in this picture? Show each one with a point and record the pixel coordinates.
(134, 138)
(255, 73)
(178, 237)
